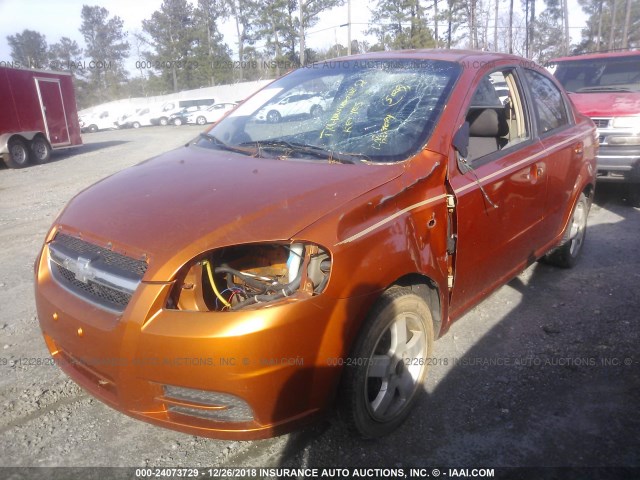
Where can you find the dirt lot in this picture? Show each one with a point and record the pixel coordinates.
(565, 390)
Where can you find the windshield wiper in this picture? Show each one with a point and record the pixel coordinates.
(602, 89)
(225, 146)
(314, 150)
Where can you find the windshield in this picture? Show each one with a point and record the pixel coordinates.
(619, 74)
(379, 111)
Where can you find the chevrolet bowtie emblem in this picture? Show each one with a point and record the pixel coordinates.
(81, 268)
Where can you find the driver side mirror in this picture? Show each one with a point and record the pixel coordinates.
(461, 140)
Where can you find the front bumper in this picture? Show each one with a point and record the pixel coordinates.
(619, 164)
(277, 362)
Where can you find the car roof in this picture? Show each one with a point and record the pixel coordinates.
(593, 56)
(452, 55)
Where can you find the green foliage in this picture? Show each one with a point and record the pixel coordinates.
(64, 54)
(173, 39)
(29, 49)
(400, 24)
(106, 50)
(600, 15)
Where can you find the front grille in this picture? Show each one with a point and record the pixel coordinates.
(95, 274)
(109, 297)
(86, 249)
(601, 122)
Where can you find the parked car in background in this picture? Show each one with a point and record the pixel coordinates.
(294, 105)
(181, 117)
(104, 120)
(211, 114)
(176, 106)
(250, 280)
(37, 113)
(142, 118)
(606, 87)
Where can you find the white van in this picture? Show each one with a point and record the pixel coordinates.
(97, 121)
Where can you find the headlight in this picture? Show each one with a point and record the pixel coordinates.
(627, 122)
(250, 276)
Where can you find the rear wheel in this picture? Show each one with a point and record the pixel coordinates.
(163, 121)
(18, 156)
(177, 122)
(384, 374)
(201, 120)
(567, 254)
(136, 125)
(40, 150)
(93, 128)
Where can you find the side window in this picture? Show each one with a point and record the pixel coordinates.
(551, 110)
(496, 116)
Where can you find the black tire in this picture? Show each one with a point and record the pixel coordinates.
(387, 365)
(633, 194)
(163, 121)
(316, 111)
(568, 253)
(201, 120)
(274, 116)
(136, 125)
(40, 150)
(177, 122)
(93, 128)
(18, 156)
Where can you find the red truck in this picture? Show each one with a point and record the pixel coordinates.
(38, 113)
(606, 87)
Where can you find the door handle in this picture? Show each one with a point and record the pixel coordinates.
(535, 172)
(578, 149)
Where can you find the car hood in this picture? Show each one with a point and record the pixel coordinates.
(609, 104)
(193, 199)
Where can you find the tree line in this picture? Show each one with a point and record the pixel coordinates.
(180, 45)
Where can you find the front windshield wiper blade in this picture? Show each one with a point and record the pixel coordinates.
(603, 89)
(316, 151)
(225, 146)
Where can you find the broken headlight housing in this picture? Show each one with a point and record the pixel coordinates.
(251, 276)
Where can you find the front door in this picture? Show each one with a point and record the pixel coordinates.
(500, 199)
(53, 113)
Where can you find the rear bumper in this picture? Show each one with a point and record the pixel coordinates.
(276, 362)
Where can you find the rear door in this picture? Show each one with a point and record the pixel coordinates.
(564, 147)
(53, 112)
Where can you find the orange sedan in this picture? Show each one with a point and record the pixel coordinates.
(240, 285)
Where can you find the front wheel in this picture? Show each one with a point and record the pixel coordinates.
(40, 150)
(177, 122)
(567, 254)
(164, 122)
(136, 125)
(633, 194)
(384, 373)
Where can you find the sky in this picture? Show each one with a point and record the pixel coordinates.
(57, 18)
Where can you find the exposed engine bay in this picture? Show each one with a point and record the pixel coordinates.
(251, 276)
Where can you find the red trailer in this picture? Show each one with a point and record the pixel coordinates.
(37, 113)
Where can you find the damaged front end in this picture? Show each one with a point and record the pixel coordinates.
(251, 276)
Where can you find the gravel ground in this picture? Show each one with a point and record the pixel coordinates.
(543, 373)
